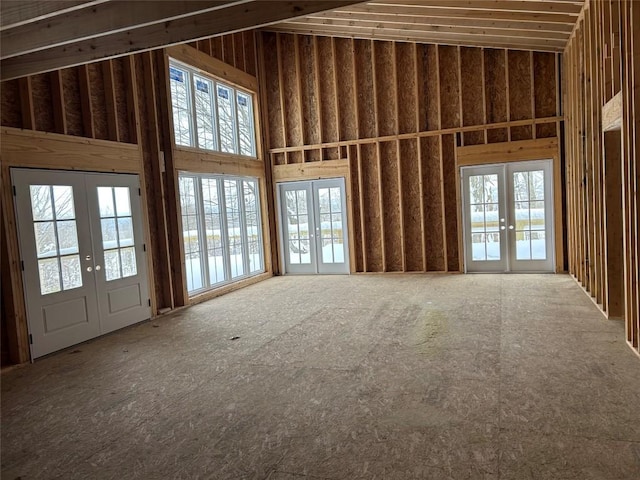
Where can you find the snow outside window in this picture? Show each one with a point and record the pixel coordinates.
(221, 229)
(210, 115)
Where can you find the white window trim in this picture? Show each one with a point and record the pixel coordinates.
(191, 70)
(200, 218)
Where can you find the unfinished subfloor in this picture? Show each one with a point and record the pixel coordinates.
(341, 377)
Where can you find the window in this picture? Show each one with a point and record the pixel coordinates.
(221, 229)
(116, 224)
(54, 225)
(209, 114)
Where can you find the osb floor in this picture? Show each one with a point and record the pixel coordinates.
(394, 377)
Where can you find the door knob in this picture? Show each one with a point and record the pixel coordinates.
(510, 227)
(89, 269)
(88, 257)
(502, 227)
(98, 268)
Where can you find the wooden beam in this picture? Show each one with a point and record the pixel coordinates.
(427, 10)
(97, 20)
(415, 26)
(544, 148)
(442, 21)
(14, 13)
(227, 20)
(470, 40)
(51, 150)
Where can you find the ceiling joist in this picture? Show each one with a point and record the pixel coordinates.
(233, 16)
(521, 24)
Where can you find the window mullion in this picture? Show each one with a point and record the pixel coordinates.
(224, 233)
(218, 145)
(194, 121)
(202, 232)
(236, 121)
(243, 227)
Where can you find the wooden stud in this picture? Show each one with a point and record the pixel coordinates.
(57, 94)
(26, 103)
(281, 88)
(110, 99)
(85, 102)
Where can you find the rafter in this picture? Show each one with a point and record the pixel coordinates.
(98, 20)
(236, 17)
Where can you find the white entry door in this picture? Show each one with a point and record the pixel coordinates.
(508, 217)
(83, 255)
(314, 226)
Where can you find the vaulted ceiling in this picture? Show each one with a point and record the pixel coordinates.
(521, 24)
(43, 35)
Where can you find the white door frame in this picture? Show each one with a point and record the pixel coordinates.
(102, 315)
(317, 266)
(509, 261)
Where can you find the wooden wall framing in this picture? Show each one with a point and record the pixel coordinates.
(602, 109)
(90, 118)
(397, 112)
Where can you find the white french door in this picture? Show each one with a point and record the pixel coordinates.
(508, 217)
(314, 226)
(83, 255)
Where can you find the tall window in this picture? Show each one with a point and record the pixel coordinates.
(209, 114)
(221, 229)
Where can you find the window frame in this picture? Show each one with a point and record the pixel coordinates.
(200, 217)
(190, 72)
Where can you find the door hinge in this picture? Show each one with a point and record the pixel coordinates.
(139, 192)
(30, 339)
(149, 301)
(22, 265)
(144, 247)
(14, 191)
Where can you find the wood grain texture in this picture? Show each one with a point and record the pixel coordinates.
(411, 204)
(433, 204)
(391, 211)
(449, 86)
(371, 211)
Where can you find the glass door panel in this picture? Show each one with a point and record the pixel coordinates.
(531, 210)
(484, 220)
(330, 206)
(119, 252)
(298, 228)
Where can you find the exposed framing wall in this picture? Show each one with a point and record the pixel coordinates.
(89, 118)
(602, 103)
(396, 112)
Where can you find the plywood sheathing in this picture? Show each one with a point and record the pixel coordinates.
(471, 64)
(396, 104)
(42, 101)
(325, 69)
(496, 93)
(10, 113)
(544, 67)
(520, 92)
